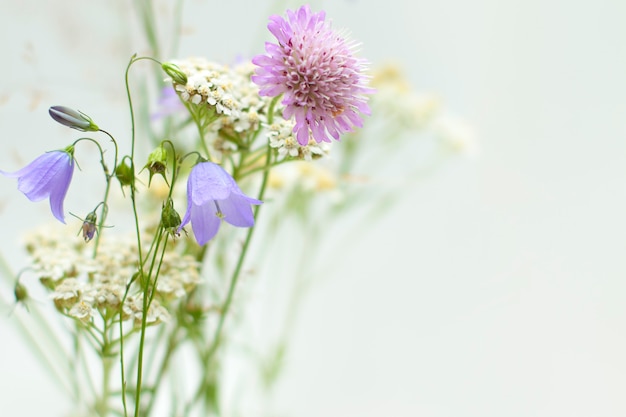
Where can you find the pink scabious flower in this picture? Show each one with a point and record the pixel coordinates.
(47, 176)
(213, 196)
(314, 67)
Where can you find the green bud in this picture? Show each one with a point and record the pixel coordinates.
(89, 226)
(156, 163)
(178, 76)
(73, 118)
(20, 292)
(124, 174)
(170, 219)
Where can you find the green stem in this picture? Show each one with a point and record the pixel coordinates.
(105, 207)
(208, 354)
(201, 129)
(237, 272)
(148, 295)
(137, 231)
(102, 404)
(172, 344)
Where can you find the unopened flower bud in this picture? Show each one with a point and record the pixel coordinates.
(178, 76)
(156, 163)
(124, 174)
(20, 292)
(89, 226)
(73, 118)
(170, 219)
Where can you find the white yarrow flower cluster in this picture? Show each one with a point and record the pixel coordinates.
(230, 95)
(83, 287)
(228, 90)
(281, 137)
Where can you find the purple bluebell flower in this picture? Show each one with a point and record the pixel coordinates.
(314, 67)
(47, 176)
(213, 196)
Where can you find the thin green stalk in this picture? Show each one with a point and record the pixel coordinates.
(79, 360)
(102, 403)
(105, 208)
(148, 295)
(207, 355)
(172, 344)
(237, 272)
(201, 129)
(137, 229)
(139, 247)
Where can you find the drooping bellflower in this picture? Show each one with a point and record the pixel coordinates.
(213, 196)
(47, 176)
(314, 67)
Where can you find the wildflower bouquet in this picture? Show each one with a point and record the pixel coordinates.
(145, 308)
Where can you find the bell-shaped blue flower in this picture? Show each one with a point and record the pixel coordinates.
(47, 176)
(213, 196)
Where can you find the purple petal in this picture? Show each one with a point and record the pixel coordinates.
(38, 177)
(237, 211)
(205, 222)
(262, 60)
(209, 182)
(58, 191)
(302, 135)
(187, 216)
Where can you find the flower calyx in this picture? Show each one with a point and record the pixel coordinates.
(157, 163)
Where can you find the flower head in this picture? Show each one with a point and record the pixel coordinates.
(314, 67)
(47, 176)
(212, 196)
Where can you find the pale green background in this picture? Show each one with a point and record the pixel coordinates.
(495, 288)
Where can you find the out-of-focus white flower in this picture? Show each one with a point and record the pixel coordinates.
(457, 135)
(67, 293)
(282, 138)
(82, 286)
(81, 311)
(156, 312)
